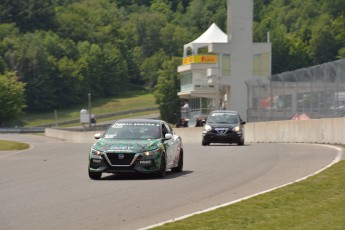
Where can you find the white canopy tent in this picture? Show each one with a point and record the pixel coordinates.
(212, 35)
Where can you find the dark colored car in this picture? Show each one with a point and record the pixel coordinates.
(136, 146)
(223, 126)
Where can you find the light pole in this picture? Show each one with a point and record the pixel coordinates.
(89, 96)
(55, 115)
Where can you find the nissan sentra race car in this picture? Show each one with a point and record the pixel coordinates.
(136, 146)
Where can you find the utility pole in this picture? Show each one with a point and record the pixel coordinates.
(55, 116)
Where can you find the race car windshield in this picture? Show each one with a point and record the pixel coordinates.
(223, 118)
(133, 131)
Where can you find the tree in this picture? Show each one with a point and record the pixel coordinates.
(280, 49)
(8, 32)
(34, 66)
(200, 14)
(323, 45)
(114, 72)
(339, 34)
(151, 66)
(144, 28)
(162, 7)
(2, 65)
(11, 97)
(335, 7)
(93, 21)
(28, 15)
(166, 91)
(173, 38)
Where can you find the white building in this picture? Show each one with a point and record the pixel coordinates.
(216, 65)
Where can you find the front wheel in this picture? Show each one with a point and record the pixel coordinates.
(162, 168)
(204, 142)
(179, 167)
(241, 142)
(95, 175)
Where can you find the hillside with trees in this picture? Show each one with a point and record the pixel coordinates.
(61, 50)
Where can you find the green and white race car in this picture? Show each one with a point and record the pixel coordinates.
(136, 145)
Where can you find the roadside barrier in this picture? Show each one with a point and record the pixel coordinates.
(22, 130)
(323, 131)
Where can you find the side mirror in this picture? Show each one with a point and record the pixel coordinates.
(243, 122)
(97, 135)
(168, 136)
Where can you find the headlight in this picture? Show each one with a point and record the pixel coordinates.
(236, 129)
(150, 153)
(96, 152)
(208, 128)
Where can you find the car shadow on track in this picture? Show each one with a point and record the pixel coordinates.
(141, 176)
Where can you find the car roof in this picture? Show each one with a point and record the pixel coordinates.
(140, 120)
(224, 111)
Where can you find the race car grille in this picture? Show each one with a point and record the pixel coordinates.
(120, 159)
(222, 130)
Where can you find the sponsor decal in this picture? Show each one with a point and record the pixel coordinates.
(96, 161)
(121, 148)
(147, 162)
(200, 59)
(120, 125)
(117, 125)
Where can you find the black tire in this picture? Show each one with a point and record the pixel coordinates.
(179, 167)
(204, 142)
(241, 142)
(162, 169)
(95, 175)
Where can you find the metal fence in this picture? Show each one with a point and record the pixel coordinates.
(315, 92)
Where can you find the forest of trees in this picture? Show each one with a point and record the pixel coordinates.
(61, 50)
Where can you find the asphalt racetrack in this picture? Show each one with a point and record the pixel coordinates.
(47, 186)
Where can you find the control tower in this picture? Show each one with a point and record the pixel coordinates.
(216, 65)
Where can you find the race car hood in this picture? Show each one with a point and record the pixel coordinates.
(219, 125)
(129, 146)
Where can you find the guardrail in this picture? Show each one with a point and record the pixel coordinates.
(23, 130)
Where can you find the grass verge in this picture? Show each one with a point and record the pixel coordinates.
(114, 118)
(12, 145)
(128, 101)
(314, 203)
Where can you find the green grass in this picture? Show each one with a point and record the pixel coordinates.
(113, 118)
(12, 145)
(128, 101)
(317, 203)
